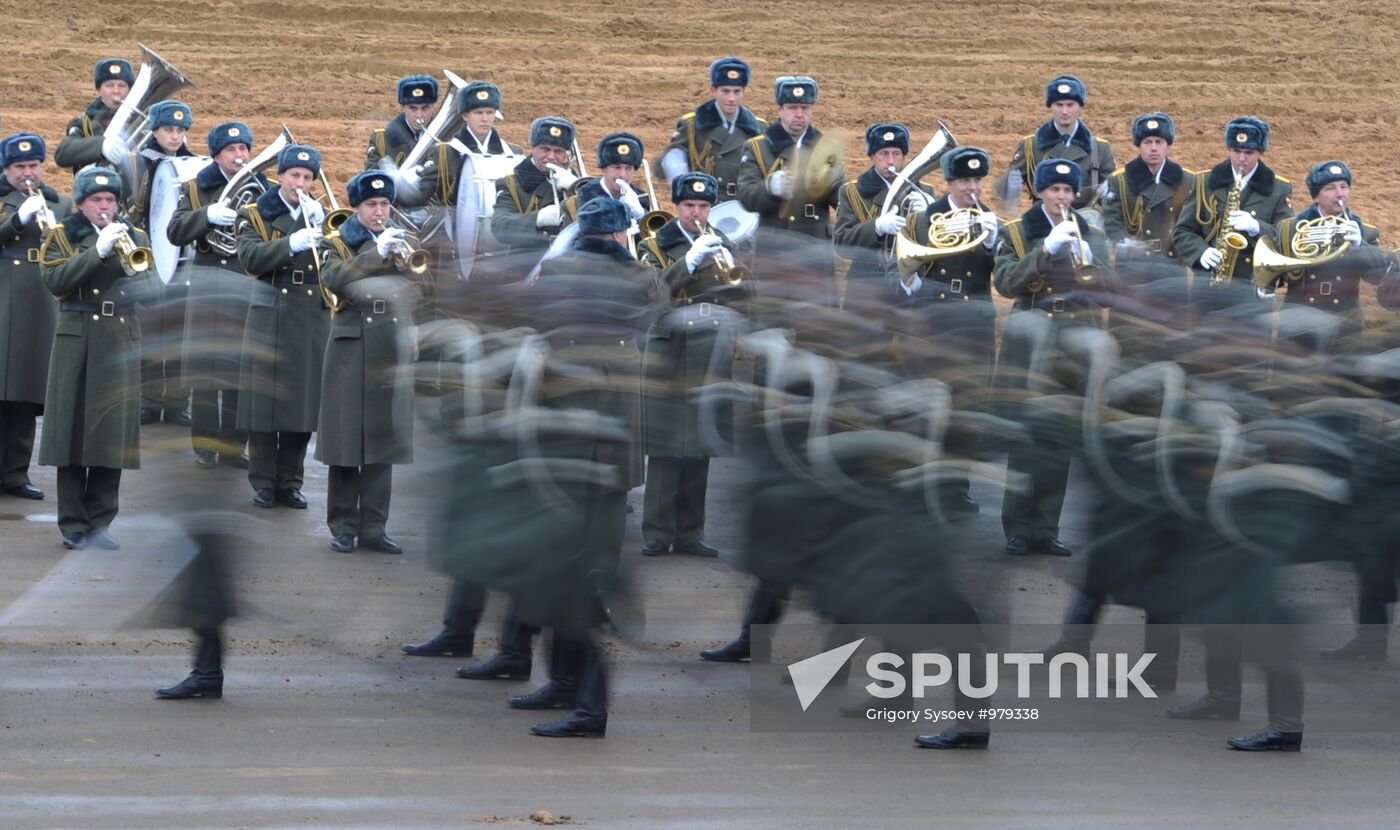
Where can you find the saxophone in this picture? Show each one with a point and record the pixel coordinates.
(1228, 242)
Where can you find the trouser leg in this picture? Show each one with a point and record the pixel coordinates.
(690, 499)
(516, 636)
(16, 441)
(592, 698)
(204, 420)
(291, 459)
(659, 499)
(229, 433)
(1223, 669)
(376, 482)
(262, 460)
(465, 603)
(343, 500)
(1285, 695)
(209, 652)
(72, 500)
(101, 497)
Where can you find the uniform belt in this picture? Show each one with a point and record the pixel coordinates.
(372, 307)
(21, 254)
(105, 309)
(296, 277)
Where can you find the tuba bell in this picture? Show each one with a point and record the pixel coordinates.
(157, 80)
(242, 189)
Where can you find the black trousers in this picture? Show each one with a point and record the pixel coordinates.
(466, 601)
(16, 441)
(208, 652)
(277, 460)
(214, 416)
(357, 500)
(87, 498)
(1226, 648)
(673, 506)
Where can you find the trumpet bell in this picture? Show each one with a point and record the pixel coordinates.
(137, 261)
(417, 263)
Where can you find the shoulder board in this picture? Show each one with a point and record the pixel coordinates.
(1283, 179)
(690, 116)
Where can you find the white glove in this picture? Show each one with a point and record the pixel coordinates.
(114, 149)
(1061, 235)
(107, 238)
(1351, 232)
(30, 208)
(562, 177)
(313, 210)
(407, 178)
(1244, 223)
(304, 239)
(548, 217)
(700, 250)
(632, 201)
(1210, 258)
(916, 202)
(1102, 192)
(780, 184)
(1014, 182)
(889, 224)
(220, 214)
(988, 221)
(387, 241)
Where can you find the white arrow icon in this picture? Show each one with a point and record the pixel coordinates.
(810, 676)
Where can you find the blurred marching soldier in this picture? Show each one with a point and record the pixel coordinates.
(279, 392)
(1064, 136)
(91, 431)
(82, 141)
(218, 299)
(162, 392)
(862, 231)
(1145, 196)
(619, 155)
(366, 418)
(28, 208)
(791, 176)
(417, 95)
(711, 138)
(1047, 263)
(688, 349)
(528, 211)
(1241, 198)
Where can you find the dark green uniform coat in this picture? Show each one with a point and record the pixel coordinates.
(91, 407)
(1266, 198)
(392, 141)
(366, 390)
(1142, 206)
(285, 337)
(806, 213)
(519, 198)
(858, 206)
(82, 141)
(1093, 155)
(711, 147)
(27, 309)
(1334, 285)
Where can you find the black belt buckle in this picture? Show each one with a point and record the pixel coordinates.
(809, 211)
(32, 254)
(1057, 304)
(298, 277)
(109, 308)
(955, 287)
(1325, 288)
(380, 306)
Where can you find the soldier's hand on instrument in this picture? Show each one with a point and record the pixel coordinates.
(220, 214)
(701, 249)
(562, 177)
(1244, 223)
(114, 149)
(916, 202)
(304, 239)
(1210, 258)
(988, 221)
(407, 178)
(387, 241)
(315, 214)
(1102, 191)
(889, 224)
(632, 201)
(548, 217)
(1351, 232)
(780, 184)
(30, 208)
(1061, 235)
(107, 238)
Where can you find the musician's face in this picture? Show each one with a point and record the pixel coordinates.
(1065, 113)
(293, 179)
(111, 92)
(480, 120)
(170, 137)
(1243, 160)
(99, 208)
(1153, 151)
(544, 154)
(614, 173)
(232, 157)
(1331, 197)
(16, 173)
(374, 213)
(796, 118)
(885, 158)
(965, 192)
(728, 99)
(694, 214)
(1057, 197)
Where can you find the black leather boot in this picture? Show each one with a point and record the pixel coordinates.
(196, 685)
(765, 608)
(1078, 630)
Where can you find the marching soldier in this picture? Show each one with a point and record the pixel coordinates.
(862, 230)
(91, 431)
(28, 209)
(619, 155)
(218, 297)
(279, 392)
(1145, 196)
(688, 349)
(1240, 197)
(82, 142)
(366, 418)
(1044, 261)
(1064, 136)
(711, 139)
(790, 175)
(417, 95)
(528, 211)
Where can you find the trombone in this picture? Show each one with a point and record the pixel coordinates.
(45, 218)
(330, 227)
(656, 218)
(135, 260)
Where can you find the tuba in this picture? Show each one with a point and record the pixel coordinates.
(157, 80)
(950, 233)
(242, 189)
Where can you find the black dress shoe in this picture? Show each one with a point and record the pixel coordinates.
(572, 725)
(1206, 707)
(953, 739)
(196, 685)
(103, 539)
(1268, 739)
(383, 544)
(655, 547)
(205, 460)
(1053, 547)
(549, 696)
(343, 543)
(291, 498)
(733, 652)
(238, 460)
(75, 541)
(697, 547)
(25, 491)
(264, 498)
(442, 645)
(149, 416)
(497, 667)
(1018, 546)
(1360, 647)
(178, 417)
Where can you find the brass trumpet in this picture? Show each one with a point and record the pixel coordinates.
(726, 272)
(44, 218)
(411, 258)
(1079, 255)
(135, 260)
